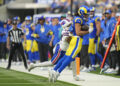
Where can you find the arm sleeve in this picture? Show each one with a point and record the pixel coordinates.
(78, 20)
(97, 19)
(36, 30)
(9, 33)
(112, 26)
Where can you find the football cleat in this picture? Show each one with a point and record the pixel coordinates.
(31, 67)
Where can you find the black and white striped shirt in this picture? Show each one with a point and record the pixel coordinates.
(15, 35)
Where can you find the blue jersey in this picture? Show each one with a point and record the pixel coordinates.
(4, 31)
(1, 24)
(4, 37)
(28, 32)
(103, 29)
(86, 37)
(55, 31)
(109, 27)
(9, 27)
(79, 20)
(92, 24)
(0, 33)
(19, 25)
(42, 31)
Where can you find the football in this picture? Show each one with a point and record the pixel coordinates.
(85, 28)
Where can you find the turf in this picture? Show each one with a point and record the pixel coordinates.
(98, 72)
(15, 78)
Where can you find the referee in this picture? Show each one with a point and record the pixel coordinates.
(14, 42)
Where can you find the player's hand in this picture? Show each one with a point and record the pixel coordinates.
(68, 39)
(50, 44)
(90, 30)
(85, 28)
(25, 45)
(103, 42)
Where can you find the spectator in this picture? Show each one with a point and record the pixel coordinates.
(55, 30)
(42, 29)
(110, 24)
(9, 24)
(117, 37)
(4, 34)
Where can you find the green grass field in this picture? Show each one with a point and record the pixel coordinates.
(15, 78)
(98, 72)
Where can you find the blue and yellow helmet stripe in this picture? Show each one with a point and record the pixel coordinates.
(92, 9)
(83, 10)
(28, 18)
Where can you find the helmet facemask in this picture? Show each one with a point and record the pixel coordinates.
(92, 14)
(85, 17)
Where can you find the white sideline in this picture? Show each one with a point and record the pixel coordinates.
(90, 79)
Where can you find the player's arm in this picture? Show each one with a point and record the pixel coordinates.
(8, 40)
(78, 30)
(23, 36)
(51, 41)
(98, 26)
(78, 27)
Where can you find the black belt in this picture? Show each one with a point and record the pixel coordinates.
(15, 43)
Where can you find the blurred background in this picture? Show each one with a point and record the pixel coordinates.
(22, 8)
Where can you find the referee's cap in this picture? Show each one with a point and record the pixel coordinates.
(14, 23)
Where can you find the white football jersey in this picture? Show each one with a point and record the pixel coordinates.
(63, 43)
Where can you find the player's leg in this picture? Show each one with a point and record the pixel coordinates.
(28, 49)
(58, 54)
(72, 51)
(91, 51)
(12, 52)
(99, 56)
(35, 52)
(21, 50)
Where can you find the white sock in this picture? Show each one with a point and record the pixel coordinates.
(44, 64)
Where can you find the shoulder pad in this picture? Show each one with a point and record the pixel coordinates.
(78, 20)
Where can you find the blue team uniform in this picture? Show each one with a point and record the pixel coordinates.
(9, 27)
(55, 29)
(86, 38)
(73, 49)
(4, 37)
(92, 49)
(19, 25)
(92, 35)
(109, 27)
(76, 41)
(0, 35)
(42, 32)
(31, 47)
(102, 33)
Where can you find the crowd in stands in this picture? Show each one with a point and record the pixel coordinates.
(63, 6)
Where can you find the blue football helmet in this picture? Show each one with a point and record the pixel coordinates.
(92, 11)
(83, 10)
(28, 18)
